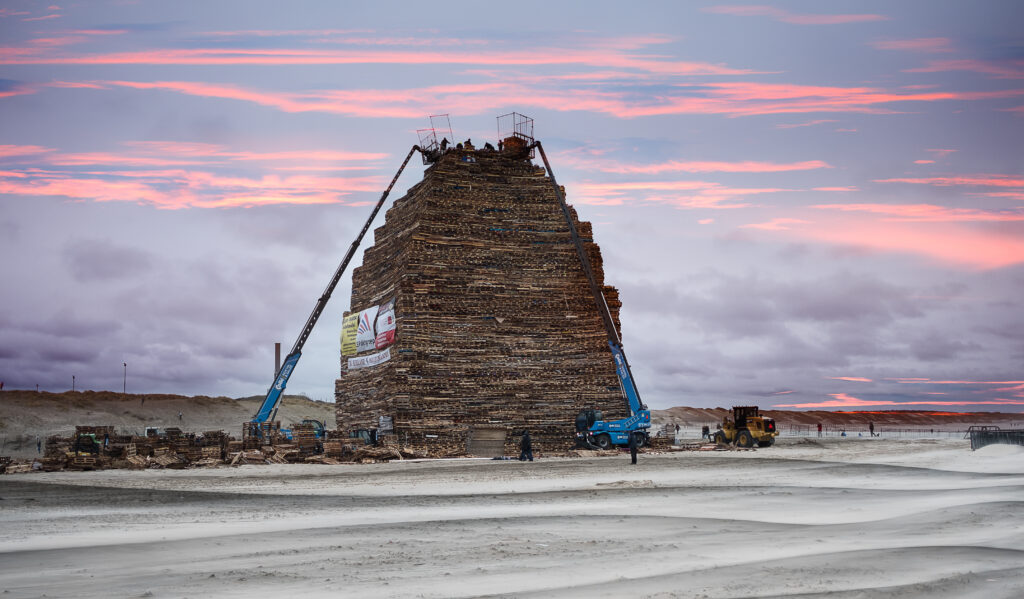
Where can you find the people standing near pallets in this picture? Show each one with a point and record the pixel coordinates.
(705, 432)
(633, 446)
(525, 447)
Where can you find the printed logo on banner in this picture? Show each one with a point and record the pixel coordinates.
(365, 336)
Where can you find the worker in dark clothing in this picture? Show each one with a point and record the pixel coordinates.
(444, 143)
(633, 446)
(871, 428)
(525, 447)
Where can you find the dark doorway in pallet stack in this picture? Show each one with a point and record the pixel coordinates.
(486, 441)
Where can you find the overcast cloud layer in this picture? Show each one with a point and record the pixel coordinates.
(804, 204)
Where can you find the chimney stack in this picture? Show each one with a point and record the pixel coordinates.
(277, 358)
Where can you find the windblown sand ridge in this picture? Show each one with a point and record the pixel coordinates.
(836, 517)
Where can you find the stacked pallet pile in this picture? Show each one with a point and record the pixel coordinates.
(496, 323)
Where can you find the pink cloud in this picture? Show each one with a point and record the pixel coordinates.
(847, 188)
(784, 16)
(1013, 69)
(917, 380)
(609, 54)
(842, 400)
(693, 166)
(20, 89)
(733, 99)
(927, 213)
(776, 224)
(43, 18)
(1013, 195)
(6, 151)
(856, 379)
(99, 31)
(705, 221)
(951, 243)
(178, 189)
(681, 194)
(807, 124)
(74, 85)
(975, 180)
(924, 162)
(940, 153)
(174, 188)
(921, 44)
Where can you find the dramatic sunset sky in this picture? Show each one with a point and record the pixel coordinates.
(804, 204)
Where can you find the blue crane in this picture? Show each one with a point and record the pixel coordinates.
(592, 430)
(268, 409)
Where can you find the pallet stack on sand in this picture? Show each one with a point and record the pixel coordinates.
(496, 324)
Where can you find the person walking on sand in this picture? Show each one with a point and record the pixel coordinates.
(179, 416)
(819, 429)
(871, 428)
(39, 445)
(633, 443)
(525, 447)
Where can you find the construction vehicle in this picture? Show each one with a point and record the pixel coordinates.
(257, 427)
(592, 430)
(746, 428)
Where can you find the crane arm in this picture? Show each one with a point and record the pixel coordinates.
(269, 406)
(621, 364)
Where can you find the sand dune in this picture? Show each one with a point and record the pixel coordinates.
(838, 518)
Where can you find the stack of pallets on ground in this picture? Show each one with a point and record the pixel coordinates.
(305, 440)
(496, 322)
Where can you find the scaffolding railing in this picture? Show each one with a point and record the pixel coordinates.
(430, 146)
(516, 131)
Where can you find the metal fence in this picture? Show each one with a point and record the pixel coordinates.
(693, 433)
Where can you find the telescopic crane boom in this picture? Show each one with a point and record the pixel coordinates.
(591, 429)
(268, 409)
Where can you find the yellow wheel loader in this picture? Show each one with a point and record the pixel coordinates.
(746, 428)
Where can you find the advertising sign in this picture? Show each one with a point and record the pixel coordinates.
(370, 360)
(385, 325)
(365, 335)
(348, 334)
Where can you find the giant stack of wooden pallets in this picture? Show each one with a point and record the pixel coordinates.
(496, 323)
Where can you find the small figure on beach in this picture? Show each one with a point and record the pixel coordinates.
(871, 428)
(819, 429)
(525, 447)
(633, 445)
(705, 432)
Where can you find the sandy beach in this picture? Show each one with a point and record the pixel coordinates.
(836, 518)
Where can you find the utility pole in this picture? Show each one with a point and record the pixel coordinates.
(72, 383)
(124, 388)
